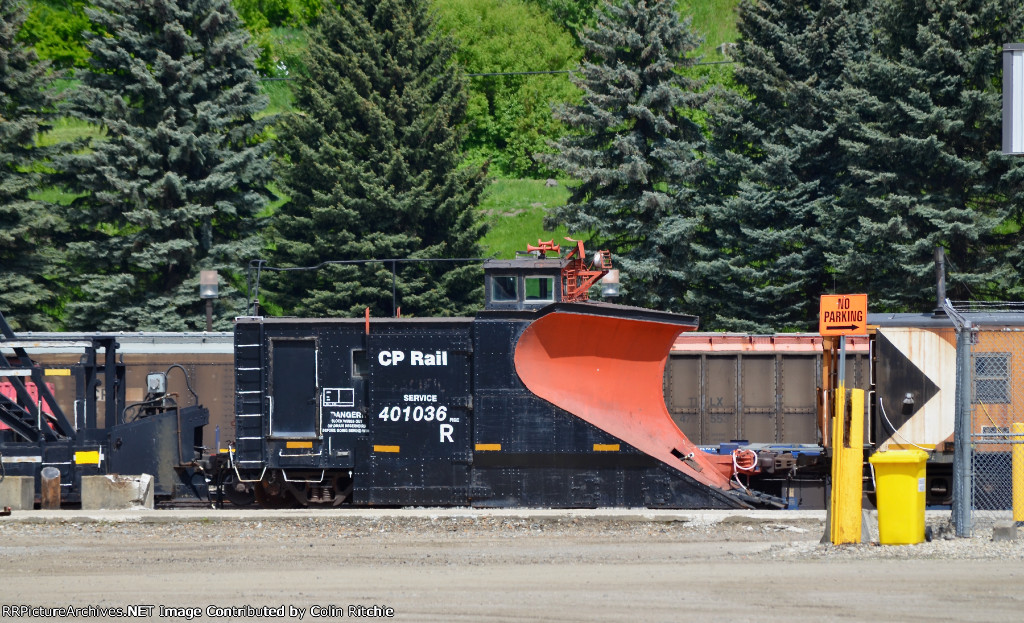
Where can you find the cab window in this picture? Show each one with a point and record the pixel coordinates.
(540, 288)
(503, 288)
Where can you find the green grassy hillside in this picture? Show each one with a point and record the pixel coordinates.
(715, 20)
(515, 211)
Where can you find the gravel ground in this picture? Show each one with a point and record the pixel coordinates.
(794, 535)
(494, 566)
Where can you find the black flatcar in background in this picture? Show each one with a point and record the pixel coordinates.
(96, 429)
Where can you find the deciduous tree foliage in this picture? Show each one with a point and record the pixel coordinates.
(178, 178)
(780, 163)
(574, 15)
(268, 21)
(637, 150)
(925, 120)
(27, 293)
(509, 116)
(54, 29)
(371, 162)
(274, 13)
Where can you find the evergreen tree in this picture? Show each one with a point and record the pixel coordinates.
(371, 163)
(926, 126)
(177, 179)
(637, 150)
(780, 163)
(27, 294)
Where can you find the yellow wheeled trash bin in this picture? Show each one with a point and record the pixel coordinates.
(899, 491)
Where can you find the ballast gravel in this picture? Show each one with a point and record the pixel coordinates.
(792, 538)
(473, 565)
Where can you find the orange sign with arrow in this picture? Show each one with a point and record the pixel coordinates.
(843, 314)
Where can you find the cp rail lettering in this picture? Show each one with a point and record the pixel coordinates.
(416, 358)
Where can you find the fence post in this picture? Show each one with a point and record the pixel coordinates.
(49, 488)
(1017, 470)
(962, 491)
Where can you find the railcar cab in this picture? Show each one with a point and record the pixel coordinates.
(531, 282)
(522, 284)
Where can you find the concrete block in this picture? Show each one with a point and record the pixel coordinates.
(117, 492)
(1004, 532)
(18, 492)
(868, 526)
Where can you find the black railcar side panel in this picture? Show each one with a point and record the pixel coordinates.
(432, 412)
(420, 414)
(156, 445)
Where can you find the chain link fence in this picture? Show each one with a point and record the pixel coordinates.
(990, 415)
(997, 419)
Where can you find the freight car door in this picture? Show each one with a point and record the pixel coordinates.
(293, 387)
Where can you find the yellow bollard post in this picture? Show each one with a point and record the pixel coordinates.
(838, 419)
(1017, 469)
(847, 468)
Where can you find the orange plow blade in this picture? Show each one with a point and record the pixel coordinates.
(609, 371)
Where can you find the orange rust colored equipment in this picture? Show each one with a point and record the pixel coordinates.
(608, 370)
(577, 276)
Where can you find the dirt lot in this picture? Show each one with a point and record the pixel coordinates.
(477, 566)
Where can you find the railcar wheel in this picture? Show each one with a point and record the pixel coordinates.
(270, 494)
(238, 493)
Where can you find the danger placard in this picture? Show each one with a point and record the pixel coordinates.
(843, 314)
